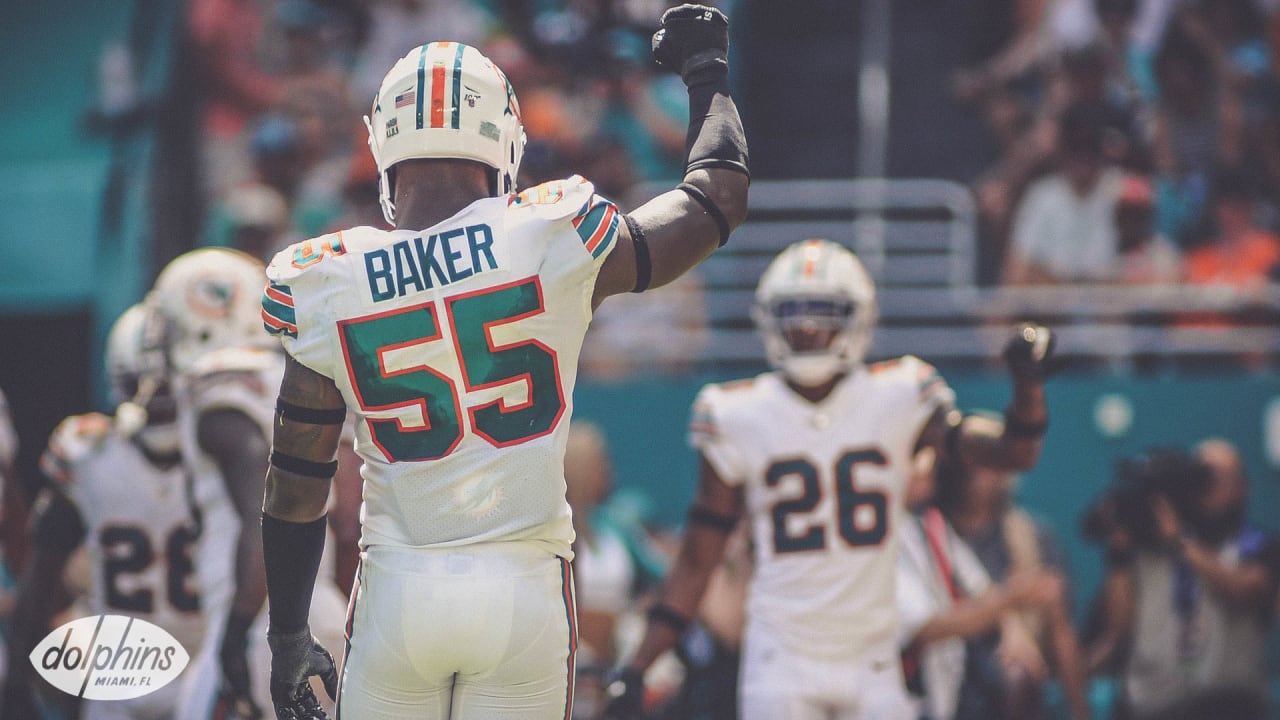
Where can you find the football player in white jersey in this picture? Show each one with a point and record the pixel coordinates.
(225, 372)
(455, 338)
(816, 456)
(121, 492)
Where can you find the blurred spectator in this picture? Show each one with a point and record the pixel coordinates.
(1197, 124)
(1064, 228)
(945, 597)
(978, 502)
(1144, 257)
(1081, 78)
(227, 35)
(1241, 254)
(1191, 588)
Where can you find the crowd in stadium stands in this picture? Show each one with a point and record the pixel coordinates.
(1140, 142)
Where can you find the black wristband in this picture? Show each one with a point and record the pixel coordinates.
(669, 616)
(644, 265)
(699, 515)
(1016, 427)
(304, 467)
(311, 416)
(291, 552)
(710, 206)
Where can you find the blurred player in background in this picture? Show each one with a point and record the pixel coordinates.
(817, 454)
(121, 491)
(225, 373)
(456, 339)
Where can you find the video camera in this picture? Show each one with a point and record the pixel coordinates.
(1128, 503)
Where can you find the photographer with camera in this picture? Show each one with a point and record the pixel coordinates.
(1190, 587)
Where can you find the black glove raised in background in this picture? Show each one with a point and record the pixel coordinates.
(624, 693)
(1029, 353)
(295, 657)
(693, 42)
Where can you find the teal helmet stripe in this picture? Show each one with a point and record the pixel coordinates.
(422, 81)
(457, 86)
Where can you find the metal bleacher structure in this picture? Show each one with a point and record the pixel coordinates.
(918, 238)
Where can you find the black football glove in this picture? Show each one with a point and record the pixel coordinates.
(694, 42)
(1029, 353)
(234, 698)
(294, 658)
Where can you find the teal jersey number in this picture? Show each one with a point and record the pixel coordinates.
(484, 365)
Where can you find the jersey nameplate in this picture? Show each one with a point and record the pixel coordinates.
(437, 260)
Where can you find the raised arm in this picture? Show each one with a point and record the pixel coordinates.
(1015, 442)
(679, 229)
(309, 416)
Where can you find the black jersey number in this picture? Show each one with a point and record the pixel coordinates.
(852, 523)
(126, 549)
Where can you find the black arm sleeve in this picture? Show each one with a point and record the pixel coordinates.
(292, 554)
(716, 138)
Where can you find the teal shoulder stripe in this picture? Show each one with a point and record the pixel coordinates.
(422, 78)
(608, 238)
(279, 311)
(589, 223)
(284, 289)
(457, 86)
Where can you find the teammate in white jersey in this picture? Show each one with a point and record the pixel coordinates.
(122, 493)
(455, 339)
(816, 455)
(226, 372)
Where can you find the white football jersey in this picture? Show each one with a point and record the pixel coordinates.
(240, 379)
(140, 527)
(457, 347)
(823, 487)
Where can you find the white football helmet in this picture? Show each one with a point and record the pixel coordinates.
(815, 291)
(445, 100)
(145, 406)
(209, 299)
(124, 352)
